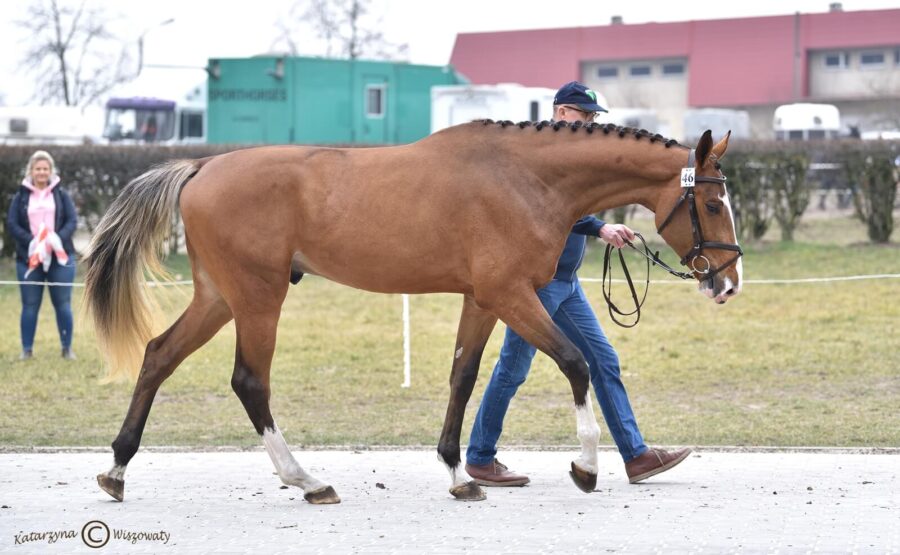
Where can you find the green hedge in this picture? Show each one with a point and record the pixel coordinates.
(874, 172)
(93, 175)
(771, 181)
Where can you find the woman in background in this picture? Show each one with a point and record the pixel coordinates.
(42, 220)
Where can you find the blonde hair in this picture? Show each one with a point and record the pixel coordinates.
(38, 156)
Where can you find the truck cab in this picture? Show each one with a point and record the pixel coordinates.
(142, 120)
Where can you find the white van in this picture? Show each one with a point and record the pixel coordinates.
(804, 122)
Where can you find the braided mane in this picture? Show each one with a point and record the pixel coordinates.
(589, 128)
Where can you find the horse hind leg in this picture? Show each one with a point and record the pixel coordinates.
(475, 326)
(205, 316)
(255, 347)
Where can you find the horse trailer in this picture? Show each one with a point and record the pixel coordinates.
(296, 100)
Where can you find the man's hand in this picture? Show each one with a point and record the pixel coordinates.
(616, 234)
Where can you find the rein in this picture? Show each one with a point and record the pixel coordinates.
(688, 180)
(607, 282)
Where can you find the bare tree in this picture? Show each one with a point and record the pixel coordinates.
(71, 52)
(344, 28)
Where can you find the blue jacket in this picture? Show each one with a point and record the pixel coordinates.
(20, 229)
(573, 254)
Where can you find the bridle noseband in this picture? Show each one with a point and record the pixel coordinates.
(694, 255)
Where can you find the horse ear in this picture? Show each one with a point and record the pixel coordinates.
(721, 146)
(704, 146)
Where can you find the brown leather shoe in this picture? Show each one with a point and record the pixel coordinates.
(652, 462)
(495, 474)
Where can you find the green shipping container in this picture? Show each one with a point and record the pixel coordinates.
(282, 100)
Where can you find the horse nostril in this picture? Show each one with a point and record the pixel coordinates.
(730, 292)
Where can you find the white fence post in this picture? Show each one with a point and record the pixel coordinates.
(406, 348)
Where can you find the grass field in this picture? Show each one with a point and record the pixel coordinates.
(786, 365)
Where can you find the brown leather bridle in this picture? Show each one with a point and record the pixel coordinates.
(690, 259)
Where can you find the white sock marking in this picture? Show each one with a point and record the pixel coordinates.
(588, 434)
(117, 472)
(289, 470)
(458, 475)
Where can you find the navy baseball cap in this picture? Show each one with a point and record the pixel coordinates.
(577, 94)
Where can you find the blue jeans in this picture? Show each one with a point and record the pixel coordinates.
(32, 295)
(570, 310)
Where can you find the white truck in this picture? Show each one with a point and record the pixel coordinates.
(805, 121)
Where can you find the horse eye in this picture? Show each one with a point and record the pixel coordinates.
(714, 208)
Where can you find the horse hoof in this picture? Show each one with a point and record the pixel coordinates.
(585, 481)
(112, 486)
(324, 496)
(470, 491)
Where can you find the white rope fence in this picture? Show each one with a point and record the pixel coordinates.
(765, 281)
(407, 350)
(77, 284)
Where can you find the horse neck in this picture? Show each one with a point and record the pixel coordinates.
(594, 173)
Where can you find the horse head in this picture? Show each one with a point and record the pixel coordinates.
(699, 226)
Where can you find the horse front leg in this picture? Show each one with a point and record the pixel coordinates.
(524, 313)
(475, 326)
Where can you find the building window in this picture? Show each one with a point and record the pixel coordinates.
(375, 101)
(897, 57)
(639, 71)
(191, 125)
(607, 72)
(673, 69)
(871, 59)
(836, 60)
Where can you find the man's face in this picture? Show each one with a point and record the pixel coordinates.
(567, 112)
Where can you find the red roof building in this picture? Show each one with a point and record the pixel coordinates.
(850, 59)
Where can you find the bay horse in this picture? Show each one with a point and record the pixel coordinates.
(482, 209)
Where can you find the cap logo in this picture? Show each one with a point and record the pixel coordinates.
(591, 94)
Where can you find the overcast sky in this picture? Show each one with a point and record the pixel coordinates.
(206, 28)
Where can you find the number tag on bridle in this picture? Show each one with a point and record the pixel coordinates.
(687, 177)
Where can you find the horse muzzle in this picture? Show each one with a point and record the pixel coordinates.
(723, 285)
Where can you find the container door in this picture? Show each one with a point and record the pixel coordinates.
(373, 128)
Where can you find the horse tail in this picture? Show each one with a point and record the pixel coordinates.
(126, 242)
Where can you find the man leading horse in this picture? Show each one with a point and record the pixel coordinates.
(570, 310)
